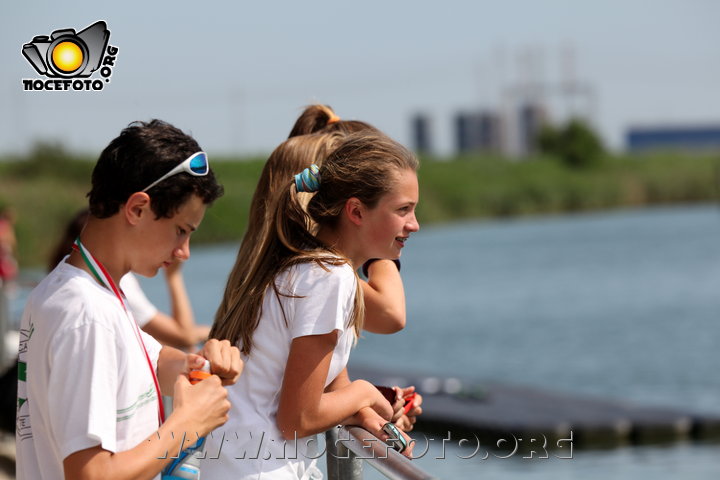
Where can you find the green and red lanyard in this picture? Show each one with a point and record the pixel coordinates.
(102, 276)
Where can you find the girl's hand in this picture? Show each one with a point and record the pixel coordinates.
(369, 420)
(379, 403)
(173, 268)
(402, 396)
(406, 422)
(398, 404)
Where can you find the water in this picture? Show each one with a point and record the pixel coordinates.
(621, 305)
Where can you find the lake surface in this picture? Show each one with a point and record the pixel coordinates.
(622, 304)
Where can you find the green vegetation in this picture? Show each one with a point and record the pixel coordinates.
(574, 143)
(47, 186)
(489, 187)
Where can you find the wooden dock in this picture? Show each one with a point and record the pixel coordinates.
(494, 411)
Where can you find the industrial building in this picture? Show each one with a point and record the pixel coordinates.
(677, 138)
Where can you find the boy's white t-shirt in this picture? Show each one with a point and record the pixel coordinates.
(140, 306)
(326, 305)
(84, 380)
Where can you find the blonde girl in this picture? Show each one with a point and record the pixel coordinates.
(297, 313)
(383, 291)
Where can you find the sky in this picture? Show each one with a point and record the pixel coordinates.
(236, 74)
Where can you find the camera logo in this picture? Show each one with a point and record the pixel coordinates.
(68, 56)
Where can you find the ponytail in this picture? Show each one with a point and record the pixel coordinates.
(313, 119)
(321, 118)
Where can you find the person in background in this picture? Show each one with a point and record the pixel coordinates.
(8, 273)
(178, 330)
(8, 246)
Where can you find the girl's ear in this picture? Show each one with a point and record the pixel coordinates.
(137, 205)
(354, 210)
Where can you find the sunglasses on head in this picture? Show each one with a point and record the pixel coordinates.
(196, 165)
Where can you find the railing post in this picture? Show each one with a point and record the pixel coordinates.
(342, 464)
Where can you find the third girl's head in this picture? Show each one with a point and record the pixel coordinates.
(322, 118)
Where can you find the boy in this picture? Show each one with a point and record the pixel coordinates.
(89, 382)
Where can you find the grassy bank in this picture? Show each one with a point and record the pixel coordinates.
(485, 187)
(48, 186)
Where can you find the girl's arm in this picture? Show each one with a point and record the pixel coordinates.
(180, 303)
(343, 379)
(165, 330)
(305, 406)
(384, 298)
(178, 330)
(369, 419)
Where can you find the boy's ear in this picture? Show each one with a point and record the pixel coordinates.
(137, 205)
(355, 210)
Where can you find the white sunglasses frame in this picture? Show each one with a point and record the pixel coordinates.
(183, 166)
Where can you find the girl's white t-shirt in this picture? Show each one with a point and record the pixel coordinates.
(250, 445)
(142, 309)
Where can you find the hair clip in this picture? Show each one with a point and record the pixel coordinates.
(308, 180)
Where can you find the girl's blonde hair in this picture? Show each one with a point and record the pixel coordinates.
(291, 157)
(364, 165)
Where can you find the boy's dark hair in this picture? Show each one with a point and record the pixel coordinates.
(142, 153)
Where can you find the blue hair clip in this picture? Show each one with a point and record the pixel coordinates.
(308, 180)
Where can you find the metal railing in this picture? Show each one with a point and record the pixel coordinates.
(348, 447)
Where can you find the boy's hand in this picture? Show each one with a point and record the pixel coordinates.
(224, 360)
(202, 407)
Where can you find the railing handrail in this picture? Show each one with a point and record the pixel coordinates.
(348, 446)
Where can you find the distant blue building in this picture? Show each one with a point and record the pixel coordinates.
(685, 138)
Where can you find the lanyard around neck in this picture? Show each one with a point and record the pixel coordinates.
(102, 276)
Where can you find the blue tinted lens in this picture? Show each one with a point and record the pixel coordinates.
(199, 164)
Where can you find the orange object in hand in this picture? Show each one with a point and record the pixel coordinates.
(199, 375)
